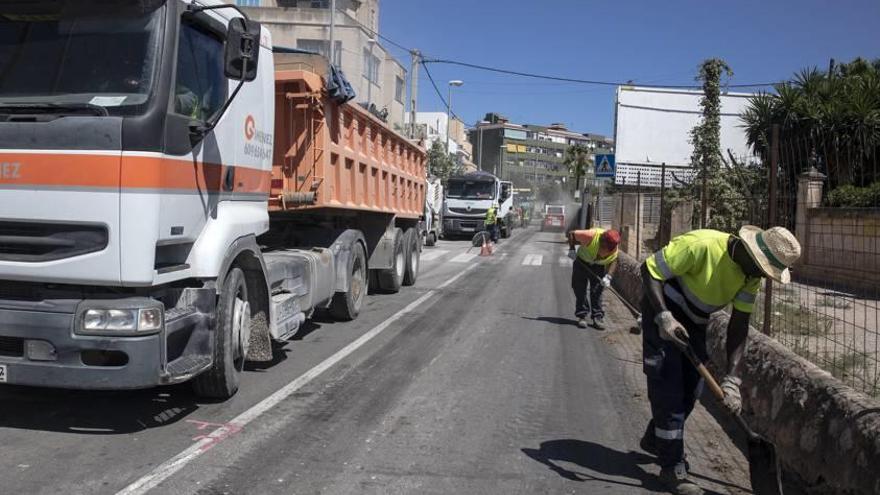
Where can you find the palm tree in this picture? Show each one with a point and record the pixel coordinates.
(579, 159)
(831, 117)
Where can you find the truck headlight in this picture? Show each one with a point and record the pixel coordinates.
(109, 321)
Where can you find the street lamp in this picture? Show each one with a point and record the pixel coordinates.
(456, 83)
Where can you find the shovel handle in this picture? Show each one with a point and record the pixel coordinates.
(710, 381)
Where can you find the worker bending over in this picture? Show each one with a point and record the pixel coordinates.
(594, 265)
(695, 275)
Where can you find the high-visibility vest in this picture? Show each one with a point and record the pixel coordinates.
(700, 276)
(589, 253)
(490, 216)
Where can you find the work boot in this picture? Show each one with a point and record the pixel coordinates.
(675, 479)
(648, 443)
(582, 322)
(599, 323)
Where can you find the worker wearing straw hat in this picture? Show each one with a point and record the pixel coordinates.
(695, 275)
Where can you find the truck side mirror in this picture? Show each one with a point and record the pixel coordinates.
(242, 54)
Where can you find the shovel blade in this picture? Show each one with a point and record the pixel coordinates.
(764, 471)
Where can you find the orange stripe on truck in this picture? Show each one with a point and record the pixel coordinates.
(49, 170)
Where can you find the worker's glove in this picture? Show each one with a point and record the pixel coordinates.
(606, 280)
(572, 255)
(732, 397)
(671, 330)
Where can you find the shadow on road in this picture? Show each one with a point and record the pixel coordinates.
(552, 319)
(94, 413)
(601, 464)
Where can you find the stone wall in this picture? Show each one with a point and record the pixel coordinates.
(827, 434)
(841, 247)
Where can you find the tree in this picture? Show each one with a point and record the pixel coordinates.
(440, 163)
(832, 118)
(579, 161)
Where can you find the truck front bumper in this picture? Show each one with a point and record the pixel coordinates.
(42, 349)
(459, 226)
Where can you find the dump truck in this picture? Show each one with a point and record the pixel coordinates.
(468, 198)
(176, 196)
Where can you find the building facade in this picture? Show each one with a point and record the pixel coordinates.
(528, 154)
(431, 126)
(376, 76)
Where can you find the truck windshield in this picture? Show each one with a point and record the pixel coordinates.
(70, 56)
(469, 189)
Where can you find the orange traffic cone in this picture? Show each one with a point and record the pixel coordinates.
(486, 250)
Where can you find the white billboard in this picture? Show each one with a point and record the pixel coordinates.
(653, 126)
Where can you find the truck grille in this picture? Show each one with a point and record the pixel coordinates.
(473, 211)
(11, 347)
(38, 242)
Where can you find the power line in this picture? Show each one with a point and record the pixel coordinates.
(439, 94)
(578, 81)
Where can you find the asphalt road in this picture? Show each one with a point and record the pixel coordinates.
(476, 380)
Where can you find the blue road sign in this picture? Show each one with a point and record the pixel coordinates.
(605, 166)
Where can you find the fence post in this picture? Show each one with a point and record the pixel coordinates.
(639, 216)
(771, 221)
(662, 235)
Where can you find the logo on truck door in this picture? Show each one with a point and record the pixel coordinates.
(259, 143)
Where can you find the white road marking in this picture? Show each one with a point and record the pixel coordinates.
(533, 260)
(433, 254)
(463, 258)
(565, 261)
(176, 463)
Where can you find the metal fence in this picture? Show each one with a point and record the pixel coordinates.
(820, 188)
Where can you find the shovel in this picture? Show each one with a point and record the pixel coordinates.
(764, 470)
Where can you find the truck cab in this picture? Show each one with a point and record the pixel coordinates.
(468, 198)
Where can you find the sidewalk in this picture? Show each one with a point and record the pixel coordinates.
(716, 462)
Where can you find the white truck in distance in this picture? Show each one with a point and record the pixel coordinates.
(468, 198)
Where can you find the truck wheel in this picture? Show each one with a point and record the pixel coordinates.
(391, 279)
(411, 273)
(347, 305)
(431, 239)
(505, 231)
(231, 338)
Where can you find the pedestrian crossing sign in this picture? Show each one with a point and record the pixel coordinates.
(605, 166)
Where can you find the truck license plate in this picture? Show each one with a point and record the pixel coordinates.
(2, 373)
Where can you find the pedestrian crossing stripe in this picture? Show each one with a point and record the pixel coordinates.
(433, 254)
(463, 258)
(533, 260)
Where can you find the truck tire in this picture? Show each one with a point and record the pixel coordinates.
(413, 258)
(346, 306)
(391, 279)
(505, 230)
(222, 379)
(431, 239)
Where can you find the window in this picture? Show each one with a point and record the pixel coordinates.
(398, 89)
(248, 3)
(371, 66)
(319, 4)
(322, 47)
(201, 83)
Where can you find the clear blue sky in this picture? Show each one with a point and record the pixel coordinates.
(646, 41)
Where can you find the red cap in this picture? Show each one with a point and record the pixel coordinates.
(610, 239)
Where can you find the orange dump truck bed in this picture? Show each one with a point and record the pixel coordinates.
(339, 156)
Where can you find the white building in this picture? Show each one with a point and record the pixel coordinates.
(653, 125)
(376, 76)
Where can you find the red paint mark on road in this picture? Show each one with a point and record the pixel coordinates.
(219, 432)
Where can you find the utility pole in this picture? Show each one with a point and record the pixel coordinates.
(414, 91)
(332, 50)
(452, 83)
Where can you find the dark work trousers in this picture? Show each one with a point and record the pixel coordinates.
(586, 278)
(674, 385)
(493, 231)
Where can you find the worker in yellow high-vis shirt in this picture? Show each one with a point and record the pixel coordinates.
(695, 275)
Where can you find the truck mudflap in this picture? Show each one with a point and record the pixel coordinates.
(42, 349)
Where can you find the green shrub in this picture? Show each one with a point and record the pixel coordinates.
(855, 197)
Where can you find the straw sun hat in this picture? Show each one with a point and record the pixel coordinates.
(774, 250)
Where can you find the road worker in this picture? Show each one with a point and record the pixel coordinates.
(492, 222)
(695, 275)
(594, 265)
